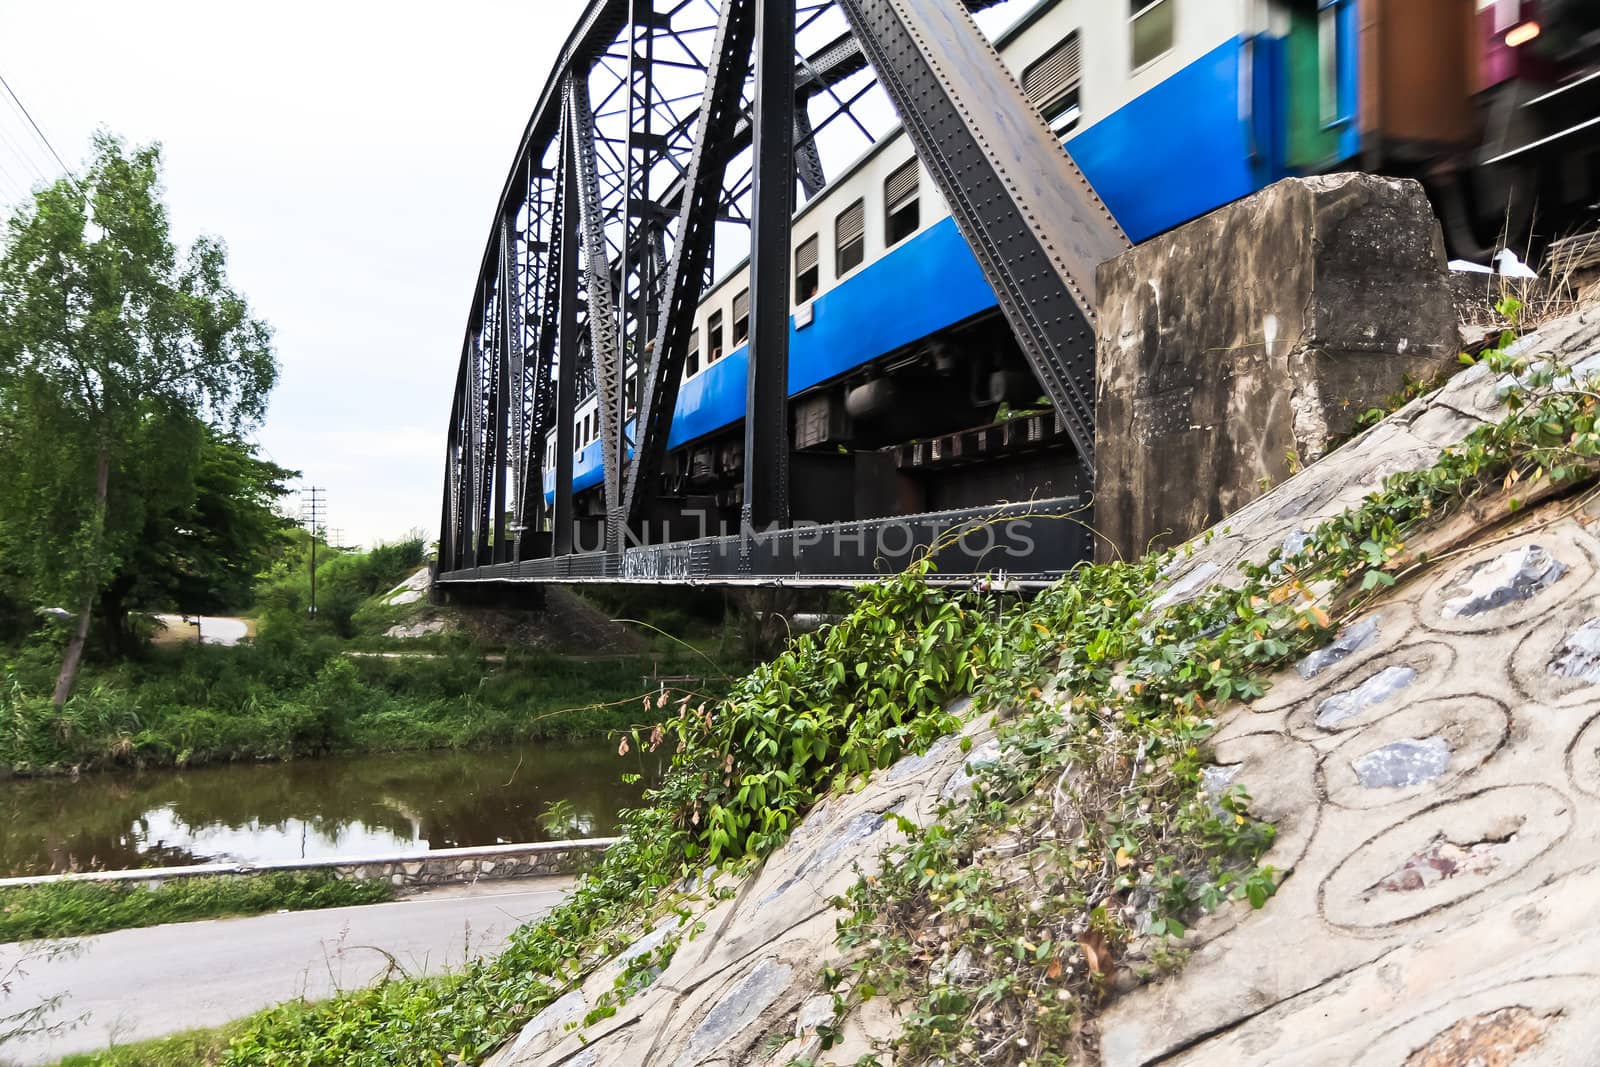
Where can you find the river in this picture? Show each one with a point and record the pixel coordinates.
(312, 809)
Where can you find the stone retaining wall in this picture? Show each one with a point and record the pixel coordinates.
(413, 870)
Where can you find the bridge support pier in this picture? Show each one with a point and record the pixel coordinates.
(1247, 342)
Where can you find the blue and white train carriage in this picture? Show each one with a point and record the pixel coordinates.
(1171, 108)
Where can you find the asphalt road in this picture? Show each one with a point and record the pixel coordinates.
(211, 629)
(135, 984)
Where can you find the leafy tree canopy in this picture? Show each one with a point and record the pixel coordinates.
(120, 358)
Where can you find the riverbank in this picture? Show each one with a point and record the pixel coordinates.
(293, 695)
(81, 908)
(77, 905)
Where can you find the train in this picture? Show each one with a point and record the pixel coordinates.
(908, 393)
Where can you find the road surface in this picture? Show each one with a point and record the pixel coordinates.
(136, 984)
(210, 629)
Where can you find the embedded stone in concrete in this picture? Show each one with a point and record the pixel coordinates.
(1507, 579)
(737, 1009)
(1215, 780)
(959, 784)
(650, 941)
(1375, 690)
(1444, 855)
(852, 833)
(1579, 654)
(1495, 1039)
(1296, 542)
(960, 968)
(913, 765)
(1404, 763)
(1440, 860)
(813, 1013)
(1192, 581)
(1350, 640)
(570, 1007)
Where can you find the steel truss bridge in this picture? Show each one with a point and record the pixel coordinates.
(666, 126)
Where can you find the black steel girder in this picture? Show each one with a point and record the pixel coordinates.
(658, 383)
(641, 146)
(1034, 222)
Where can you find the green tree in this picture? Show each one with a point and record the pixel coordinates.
(201, 552)
(109, 341)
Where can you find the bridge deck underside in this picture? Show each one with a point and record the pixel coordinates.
(1028, 544)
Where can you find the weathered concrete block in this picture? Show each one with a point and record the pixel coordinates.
(1242, 344)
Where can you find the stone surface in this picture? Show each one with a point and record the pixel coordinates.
(744, 985)
(1579, 655)
(1433, 776)
(1516, 576)
(737, 1009)
(1406, 762)
(1253, 335)
(1371, 692)
(1349, 640)
(1435, 910)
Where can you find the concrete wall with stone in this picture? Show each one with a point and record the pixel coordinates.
(1259, 331)
(409, 870)
(1433, 774)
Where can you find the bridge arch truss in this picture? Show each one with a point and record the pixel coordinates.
(673, 137)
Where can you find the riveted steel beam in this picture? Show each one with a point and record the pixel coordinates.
(546, 329)
(766, 423)
(691, 254)
(1035, 224)
(807, 159)
(507, 382)
(604, 344)
(567, 268)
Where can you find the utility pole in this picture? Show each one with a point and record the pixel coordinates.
(317, 508)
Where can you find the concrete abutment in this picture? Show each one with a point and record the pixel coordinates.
(1240, 346)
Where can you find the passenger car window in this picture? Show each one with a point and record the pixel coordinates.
(741, 317)
(1053, 82)
(900, 204)
(850, 238)
(806, 275)
(1154, 24)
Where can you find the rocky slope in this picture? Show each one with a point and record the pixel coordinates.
(1433, 774)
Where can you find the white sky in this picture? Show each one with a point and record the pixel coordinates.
(350, 154)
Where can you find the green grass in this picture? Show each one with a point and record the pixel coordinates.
(294, 695)
(76, 909)
(193, 1048)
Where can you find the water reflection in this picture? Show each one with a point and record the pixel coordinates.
(310, 809)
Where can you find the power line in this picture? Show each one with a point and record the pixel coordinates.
(21, 155)
(10, 186)
(23, 108)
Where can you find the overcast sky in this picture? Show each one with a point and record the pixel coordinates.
(350, 154)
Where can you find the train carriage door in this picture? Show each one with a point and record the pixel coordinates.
(1416, 79)
(1322, 79)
